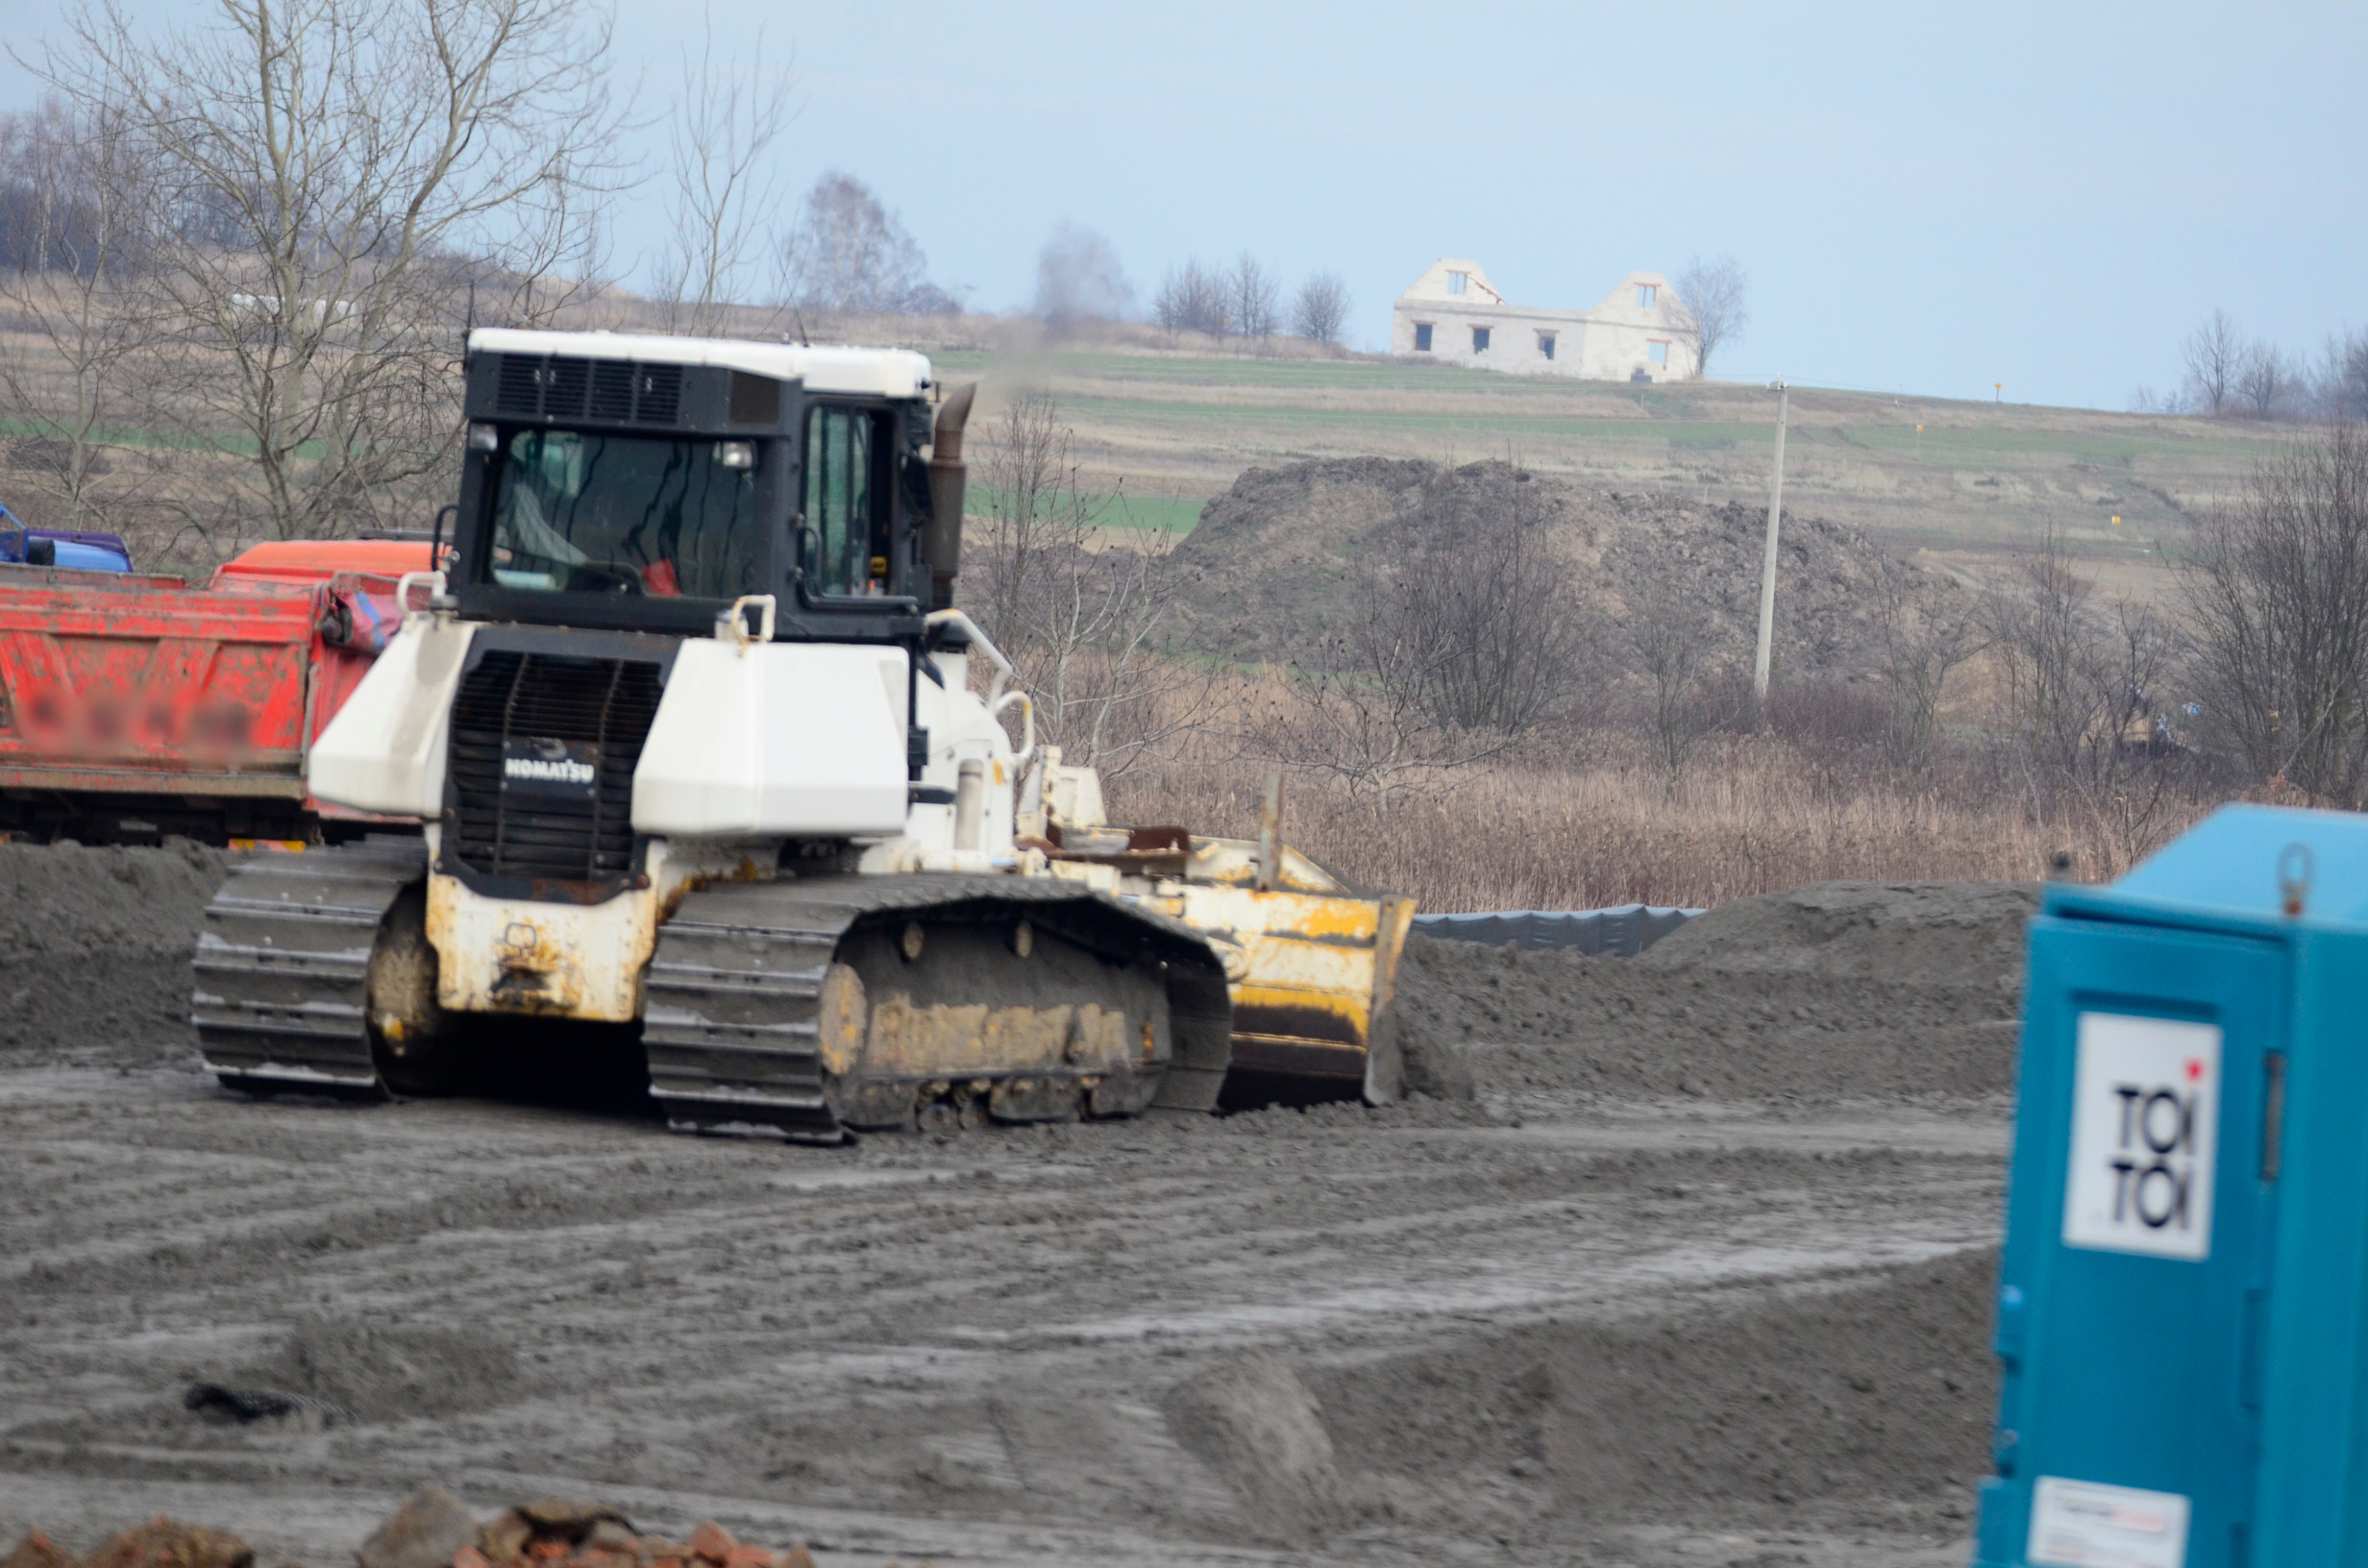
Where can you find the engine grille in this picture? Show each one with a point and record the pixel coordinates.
(614, 391)
(521, 705)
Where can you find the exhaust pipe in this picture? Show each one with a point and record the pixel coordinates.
(941, 542)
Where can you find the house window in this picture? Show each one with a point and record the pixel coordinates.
(1657, 353)
(1545, 344)
(1646, 294)
(1423, 338)
(1455, 282)
(1479, 341)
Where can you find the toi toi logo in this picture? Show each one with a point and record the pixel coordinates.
(2157, 1152)
(2145, 1118)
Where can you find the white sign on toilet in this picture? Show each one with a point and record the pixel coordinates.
(2145, 1125)
(2081, 1524)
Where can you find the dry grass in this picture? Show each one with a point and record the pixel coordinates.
(1752, 815)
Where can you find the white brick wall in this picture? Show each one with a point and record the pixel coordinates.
(1613, 342)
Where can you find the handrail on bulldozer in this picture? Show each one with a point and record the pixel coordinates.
(1004, 673)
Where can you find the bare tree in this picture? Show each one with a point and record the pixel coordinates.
(2265, 380)
(2341, 391)
(328, 166)
(1672, 633)
(1485, 599)
(1359, 715)
(2038, 626)
(2214, 357)
(1078, 279)
(1464, 638)
(726, 122)
(1712, 307)
(2278, 592)
(2087, 718)
(1320, 311)
(1079, 616)
(850, 255)
(81, 200)
(1924, 640)
(1192, 298)
(1252, 298)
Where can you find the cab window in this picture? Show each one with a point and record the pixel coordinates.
(848, 499)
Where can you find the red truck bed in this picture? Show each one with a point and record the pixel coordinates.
(132, 706)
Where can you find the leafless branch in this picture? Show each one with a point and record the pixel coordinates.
(1712, 307)
(726, 121)
(1320, 311)
(2214, 354)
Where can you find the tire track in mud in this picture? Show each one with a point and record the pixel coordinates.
(1091, 1344)
(909, 1331)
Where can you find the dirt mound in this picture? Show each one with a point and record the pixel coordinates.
(1837, 990)
(1945, 935)
(1271, 569)
(95, 943)
(369, 1371)
(1253, 1420)
(1856, 1397)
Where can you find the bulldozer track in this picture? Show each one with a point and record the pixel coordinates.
(733, 1021)
(284, 960)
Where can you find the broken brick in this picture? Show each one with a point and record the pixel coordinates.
(168, 1543)
(38, 1551)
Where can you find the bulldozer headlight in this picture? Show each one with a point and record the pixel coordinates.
(736, 454)
(484, 438)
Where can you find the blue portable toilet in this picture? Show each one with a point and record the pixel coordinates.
(2182, 1304)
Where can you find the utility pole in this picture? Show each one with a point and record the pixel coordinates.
(1767, 566)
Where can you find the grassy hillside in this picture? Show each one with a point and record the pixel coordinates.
(1174, 425)
(1978, 478)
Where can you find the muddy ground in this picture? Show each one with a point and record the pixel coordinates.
(1698, 1274)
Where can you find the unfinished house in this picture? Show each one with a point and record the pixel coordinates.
(1453, 313)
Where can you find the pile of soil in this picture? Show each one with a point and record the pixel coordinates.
(1842, 1397)
(94, 945)
(370, 1371)
(1269, 571)
(1839, 989)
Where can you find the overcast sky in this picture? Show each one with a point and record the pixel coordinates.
(1928, 199)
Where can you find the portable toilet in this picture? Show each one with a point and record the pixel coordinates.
(2183, 1302)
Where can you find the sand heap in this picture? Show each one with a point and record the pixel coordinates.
(95, 947)
(1837, 990)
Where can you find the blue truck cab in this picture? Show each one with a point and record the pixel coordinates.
(79, 552)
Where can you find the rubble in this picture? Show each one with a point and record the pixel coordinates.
(160, 1543)
(552, 1532)
(433, 1530)
(427, 1531)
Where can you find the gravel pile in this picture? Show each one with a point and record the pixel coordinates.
(1841, 989)
(94, 945)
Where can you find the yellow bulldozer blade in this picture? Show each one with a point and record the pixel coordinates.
(1311, 963)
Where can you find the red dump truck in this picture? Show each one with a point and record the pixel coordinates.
(134, 706)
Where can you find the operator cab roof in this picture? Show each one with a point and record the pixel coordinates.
(878, 373)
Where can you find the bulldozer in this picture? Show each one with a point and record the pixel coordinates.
(705, 755)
